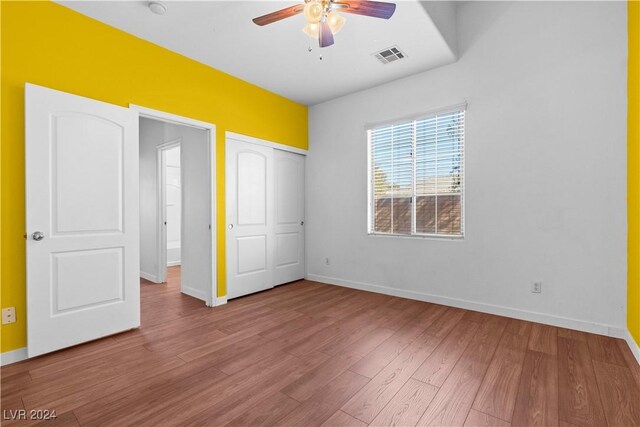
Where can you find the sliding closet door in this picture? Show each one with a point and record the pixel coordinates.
(249, 190)
(289, 217)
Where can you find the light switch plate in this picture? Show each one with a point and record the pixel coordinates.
(8, 315)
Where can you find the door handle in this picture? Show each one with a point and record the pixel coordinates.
(37, 235)
(230, 226)
(301, 222)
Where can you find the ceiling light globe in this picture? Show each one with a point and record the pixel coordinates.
(312, 30)
(335, 21)
(313, 12)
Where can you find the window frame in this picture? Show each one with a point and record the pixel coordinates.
(371, 188)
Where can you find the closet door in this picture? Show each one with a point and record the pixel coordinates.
(289, 217)
(250, 211)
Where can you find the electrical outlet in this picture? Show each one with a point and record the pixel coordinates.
(326, 261)
(536, 288)
(8, 315)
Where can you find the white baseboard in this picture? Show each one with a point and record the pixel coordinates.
(13, 356)
(220, 301)
(548, 319)
(173, 263)
(150, 277)
(633, 345)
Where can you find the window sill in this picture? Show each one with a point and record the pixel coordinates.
(418, 236)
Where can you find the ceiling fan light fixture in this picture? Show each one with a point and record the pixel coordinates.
(312, 30)
(313, 11)
(335, 21)
(322, 18)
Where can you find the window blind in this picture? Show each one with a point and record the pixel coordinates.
(417, 176)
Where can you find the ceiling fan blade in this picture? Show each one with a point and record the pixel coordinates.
(278, 15)
(376, 9)
(326, 36)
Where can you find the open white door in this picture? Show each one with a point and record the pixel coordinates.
(289, 221)
(197, 203)
(82, 219)
(249, 189)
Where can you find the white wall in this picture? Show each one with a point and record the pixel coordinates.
(443, 15)
(545, 170)
(151, 134)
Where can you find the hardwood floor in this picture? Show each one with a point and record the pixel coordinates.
(313, 354)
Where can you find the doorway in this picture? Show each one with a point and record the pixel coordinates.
(177, 203)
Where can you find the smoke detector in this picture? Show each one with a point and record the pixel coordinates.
(157, 7)
(390, 54)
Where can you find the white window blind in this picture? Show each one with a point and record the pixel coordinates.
(417, 176)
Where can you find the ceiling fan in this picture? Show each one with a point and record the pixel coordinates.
(323, 19)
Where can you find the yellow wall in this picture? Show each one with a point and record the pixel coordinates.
(633, 168)
(49, 45)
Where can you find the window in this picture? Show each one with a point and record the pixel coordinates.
(416, 170)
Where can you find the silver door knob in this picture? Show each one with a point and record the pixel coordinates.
(37, 236)
(230, 226)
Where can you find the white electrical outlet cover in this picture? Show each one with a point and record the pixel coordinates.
(8, 315)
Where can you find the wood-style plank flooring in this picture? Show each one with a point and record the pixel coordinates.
(318, 355)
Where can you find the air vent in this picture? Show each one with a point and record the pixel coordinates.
(390, 54)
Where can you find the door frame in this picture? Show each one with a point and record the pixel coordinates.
(213, 299)
(161, 212)
(253, 140)
(233, 136)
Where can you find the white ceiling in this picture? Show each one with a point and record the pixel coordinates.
(276, 57)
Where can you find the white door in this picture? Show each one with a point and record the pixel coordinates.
(172, 203)
(289, 217)
(249, 188)
(195, 274)
(82, 219)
